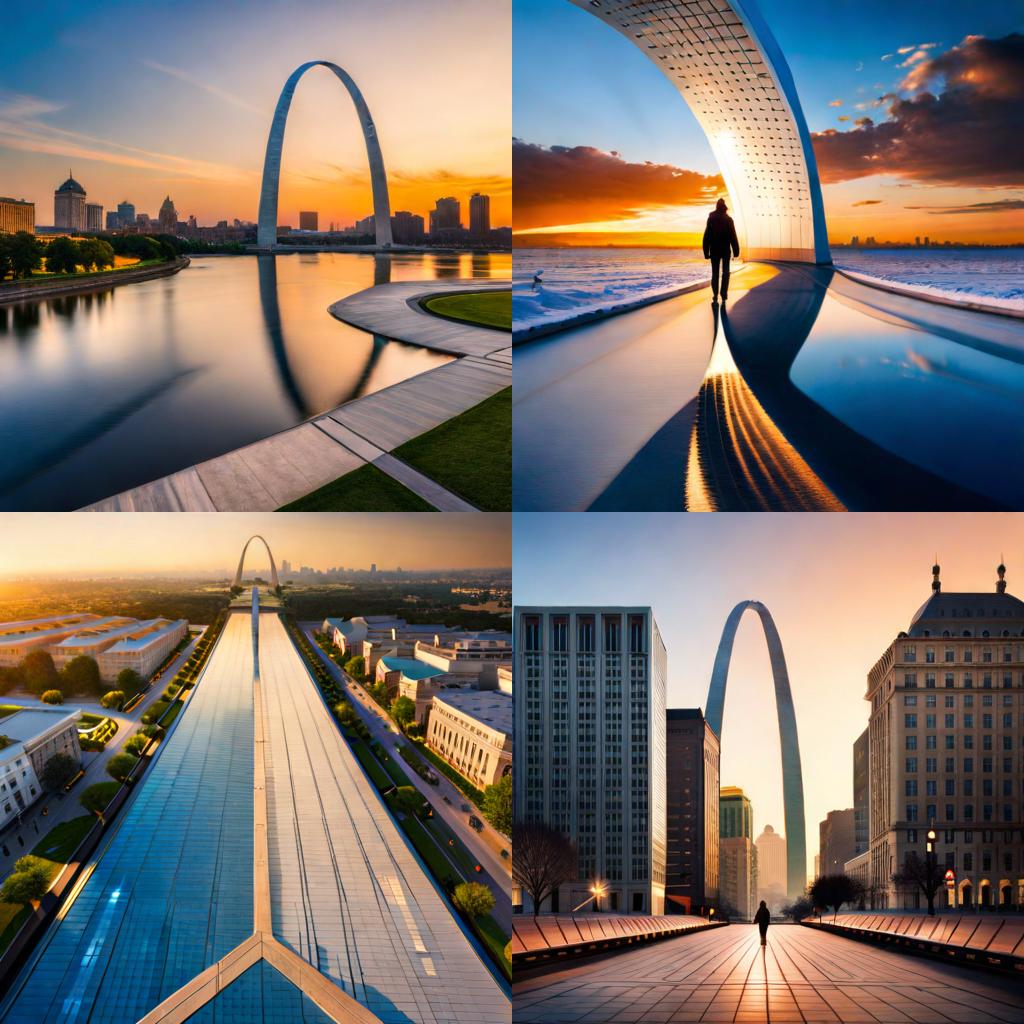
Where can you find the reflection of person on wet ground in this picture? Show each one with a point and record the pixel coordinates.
(537, 282)
(719, 242)
(763, 916)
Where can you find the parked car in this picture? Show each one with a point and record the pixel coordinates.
(476, 823)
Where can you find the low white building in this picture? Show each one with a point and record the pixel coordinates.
(144, 650)
(18, 639)
(474, 657)
(472, 731)
(505, 678)
(407, 677)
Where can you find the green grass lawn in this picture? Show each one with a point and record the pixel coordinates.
(484, 309)
(41, 277)
(171, 714)
(377, 774)
(366, 489)
(496, 941)
(471, 454)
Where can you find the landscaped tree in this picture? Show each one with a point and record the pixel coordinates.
(408, 800)
(96, 798)
(39, 672)
(120, 765)
(62, 255)
(24, 254)
(57, 771)
(136, 744)
(52, 697)
(28, 883)
(130, 682)
(10, 678)
(112, 699)
(835, 890)
(497, 805)
(81, 675)
(916, 873)
(346, 714)
(403, 710)
(96, 253)
(473, 898)
(542, 860)
(356, 667)
(798, 909)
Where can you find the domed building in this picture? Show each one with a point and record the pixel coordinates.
(69, 205)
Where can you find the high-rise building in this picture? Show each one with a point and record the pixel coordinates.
(126, 211)
(366, 226)
(479, 215)
(836, 843)
(590, 747)
(113, 220)
(407, 228)
(946, 734)
(93, 217)
(691, 781)
(309, 220)
(373, 567)
(917, 240)
(771, 868)
(69, 206)
(168, 217)
(737, 883)
(860, 794)
(446, 215)
(17, 215)
(286, 567)
(927, 240)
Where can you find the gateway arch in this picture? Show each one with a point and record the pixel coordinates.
(266, 232)
(792, 775)
(241, 562)
(722, 58)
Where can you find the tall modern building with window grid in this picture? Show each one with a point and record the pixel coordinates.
(946, 748)
(590, 709)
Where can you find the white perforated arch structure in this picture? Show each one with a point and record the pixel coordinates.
(724, 61)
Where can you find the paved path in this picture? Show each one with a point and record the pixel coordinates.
(393, 310)
(486, 845)
(263, 476)
(803, 975)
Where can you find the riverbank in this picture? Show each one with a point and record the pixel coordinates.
(77, 284)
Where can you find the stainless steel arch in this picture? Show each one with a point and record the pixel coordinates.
(241, 561)
(724, 61)
(266, 232)
(792, 774)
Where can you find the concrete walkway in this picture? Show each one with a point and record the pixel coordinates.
(801, 975)
(393, 311)
(267, 474)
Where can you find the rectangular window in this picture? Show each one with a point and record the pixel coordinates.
(929, 680)
(950, 721)
(910, 680)
(929, 721)
(911, 742)
(911, 766)
(910, 721)
(585, 634)
(930, 765)
(531, 632)
(912, 814)
(949, 654)
(950, 787)
(949, 681)
(910, 700)
(560, 633)
(612, 634)
(911, 787)
(637, 634)
(929, 655)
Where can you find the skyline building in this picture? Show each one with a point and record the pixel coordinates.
(446, 215)
(836, 841)
(168, 216)
(860, 793)
(17, 215)
(407, 228)
(771, 867)
(590, 747)
(69, 205)
(479, 215)
(692, 784)
(737, 853)
(309, 220)
(126, 213)
(946, 734)
(93, 217)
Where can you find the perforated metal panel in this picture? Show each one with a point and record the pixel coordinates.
(725, 63)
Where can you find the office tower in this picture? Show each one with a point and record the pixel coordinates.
(446, 215)
(17, 215)
(771, 868)
(479, 215)
(590, 747)
(69, 206)
(691, 783)
(407, 228)
(168, 217)
(737, 858)
(126, 212)
(860, 794)
(93, 217)
(836, 844)
(946, 734)
(309, 220)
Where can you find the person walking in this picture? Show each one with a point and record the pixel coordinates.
(763, 918)
(720, 242)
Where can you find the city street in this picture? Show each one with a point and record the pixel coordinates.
(802, 975)
(63, 806)
(486, 845)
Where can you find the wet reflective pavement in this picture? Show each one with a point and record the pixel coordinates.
(806, 391)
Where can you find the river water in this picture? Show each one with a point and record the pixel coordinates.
(105, 391)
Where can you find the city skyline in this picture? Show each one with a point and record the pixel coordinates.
(193, 119)
(868, 79)
(839, 592)
(159, 541)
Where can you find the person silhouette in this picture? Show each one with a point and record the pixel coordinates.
(763, 916)
(719, 242)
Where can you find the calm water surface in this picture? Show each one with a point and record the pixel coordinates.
(102, 392)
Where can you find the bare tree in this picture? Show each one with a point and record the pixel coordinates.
(835, 890)
(919, 873)
(542, 860)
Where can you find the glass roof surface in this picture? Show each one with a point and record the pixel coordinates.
(171, 892)
(262, 995)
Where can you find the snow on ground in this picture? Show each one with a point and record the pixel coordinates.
(988, 277)
(577, 281)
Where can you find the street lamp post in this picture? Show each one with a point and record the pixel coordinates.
(597, 890)
(930, 869)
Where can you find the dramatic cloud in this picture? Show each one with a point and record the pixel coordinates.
(843, 117)
(996, 206)
(863, 122)
(969, 131)
(836, 103)
(867, 202)
(580, 184)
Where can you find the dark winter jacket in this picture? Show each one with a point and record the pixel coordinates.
(762, 917)
(720, 235)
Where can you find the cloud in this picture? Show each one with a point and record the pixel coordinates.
(581, 184)
(860, 66)
(836, 103)
(994, 206)
(904, 49)
(213, 90)
(863, 122)
(867, 202)
(843, 117)
(887, 56)
(914, 58)
(969, 131)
